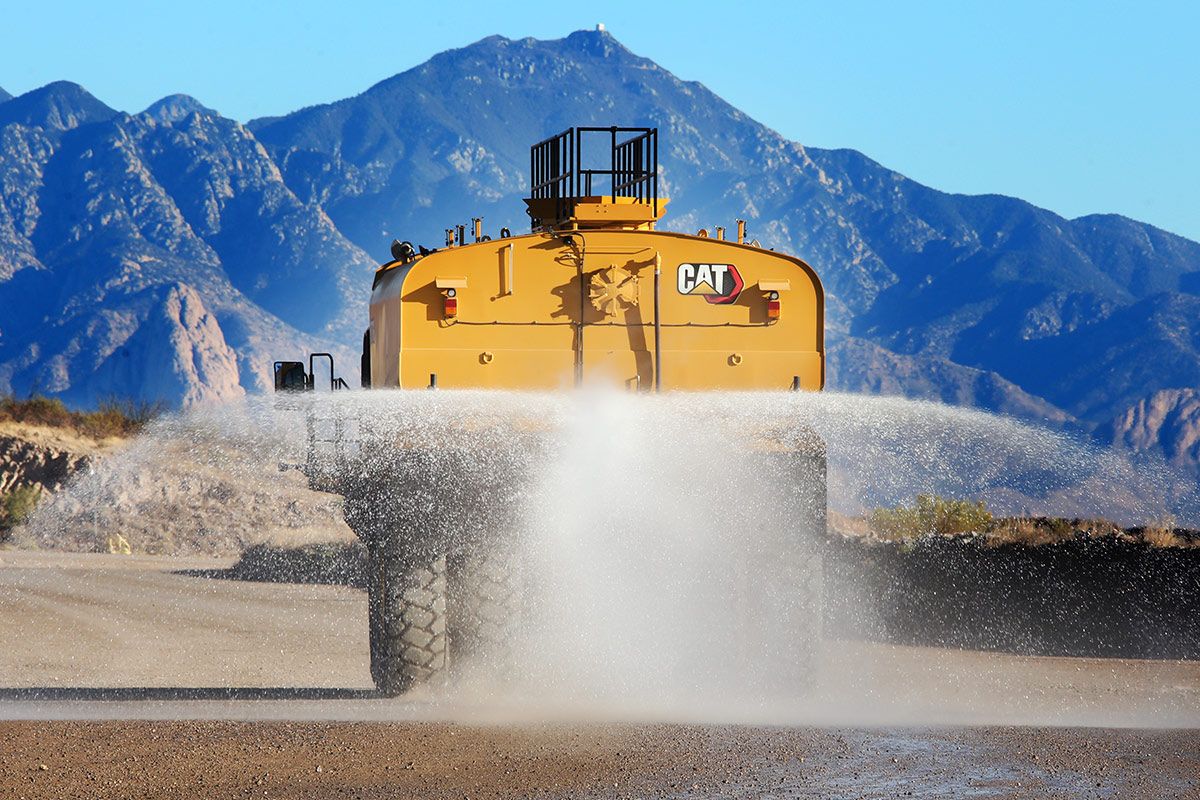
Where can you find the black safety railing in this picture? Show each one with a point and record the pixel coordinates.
(557, 167)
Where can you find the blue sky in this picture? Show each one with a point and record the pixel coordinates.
(1078, 107)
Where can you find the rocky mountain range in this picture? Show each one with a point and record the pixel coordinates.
(173, 253)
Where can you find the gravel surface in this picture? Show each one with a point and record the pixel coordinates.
(369, 760)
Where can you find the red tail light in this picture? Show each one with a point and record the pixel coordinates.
(450, 306)
(772, 309)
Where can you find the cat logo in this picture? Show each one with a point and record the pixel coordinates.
(718, 283)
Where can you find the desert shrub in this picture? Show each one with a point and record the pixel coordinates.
(1031, 531)
(15, 507)
(896, 523)
(1060, 527)
(1015, 530)
(1163, 532)
(119, 417)
(113, 417)
(1163, 537)
(931, 516)
(37, 410)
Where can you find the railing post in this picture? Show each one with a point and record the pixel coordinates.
(612, 164)
(657, 322)
(654, 165)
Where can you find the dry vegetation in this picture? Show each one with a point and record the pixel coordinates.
(15, 508)
(112, 418)
(932, 515)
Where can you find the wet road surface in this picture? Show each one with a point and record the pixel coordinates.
(129, 677)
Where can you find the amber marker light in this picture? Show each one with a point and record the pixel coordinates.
(773, 306)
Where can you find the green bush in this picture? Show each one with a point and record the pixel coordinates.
(15, 507)
(931, 516)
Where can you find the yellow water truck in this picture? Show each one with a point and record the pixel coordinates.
(593, 294)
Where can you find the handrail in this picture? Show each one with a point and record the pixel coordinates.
(335, 382)
(557, 171)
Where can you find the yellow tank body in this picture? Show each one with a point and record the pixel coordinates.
(522, 322)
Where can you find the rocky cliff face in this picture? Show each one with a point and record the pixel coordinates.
(982, 300)
(34, 456)
(144, 255)
(1167, 424)
(175, 349)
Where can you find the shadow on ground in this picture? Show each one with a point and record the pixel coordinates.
(1102, 597)
(327, 563)
(170, 693)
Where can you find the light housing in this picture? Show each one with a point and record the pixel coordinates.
(772, 306)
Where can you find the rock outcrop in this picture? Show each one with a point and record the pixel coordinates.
(172, 490)
(43, 457)
(1166, 423)
(175, 349)
(151, 256)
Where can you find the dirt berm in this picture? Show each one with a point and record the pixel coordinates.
(1107, 596)
(35, 455)
(174, 492)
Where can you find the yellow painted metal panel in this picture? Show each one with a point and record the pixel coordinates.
(542, 303)
(492, 368)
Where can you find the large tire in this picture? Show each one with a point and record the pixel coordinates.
(407, 621)
(486, 608)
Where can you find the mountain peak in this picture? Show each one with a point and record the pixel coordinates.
(58, 106)
(4, 95)
(175, 107)
(595, 41)
(592, 41)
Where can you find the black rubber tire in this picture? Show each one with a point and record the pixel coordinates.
(409, 644)
(486, 607)
(375, 634)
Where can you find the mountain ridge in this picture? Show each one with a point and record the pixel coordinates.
(59, 106)
(982, 300)
(175, 107)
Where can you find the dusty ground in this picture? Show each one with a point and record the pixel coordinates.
(169, 493)
(101, 655)
(388, 760)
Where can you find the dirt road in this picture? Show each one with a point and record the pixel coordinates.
(100, 656)
(390, 760)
